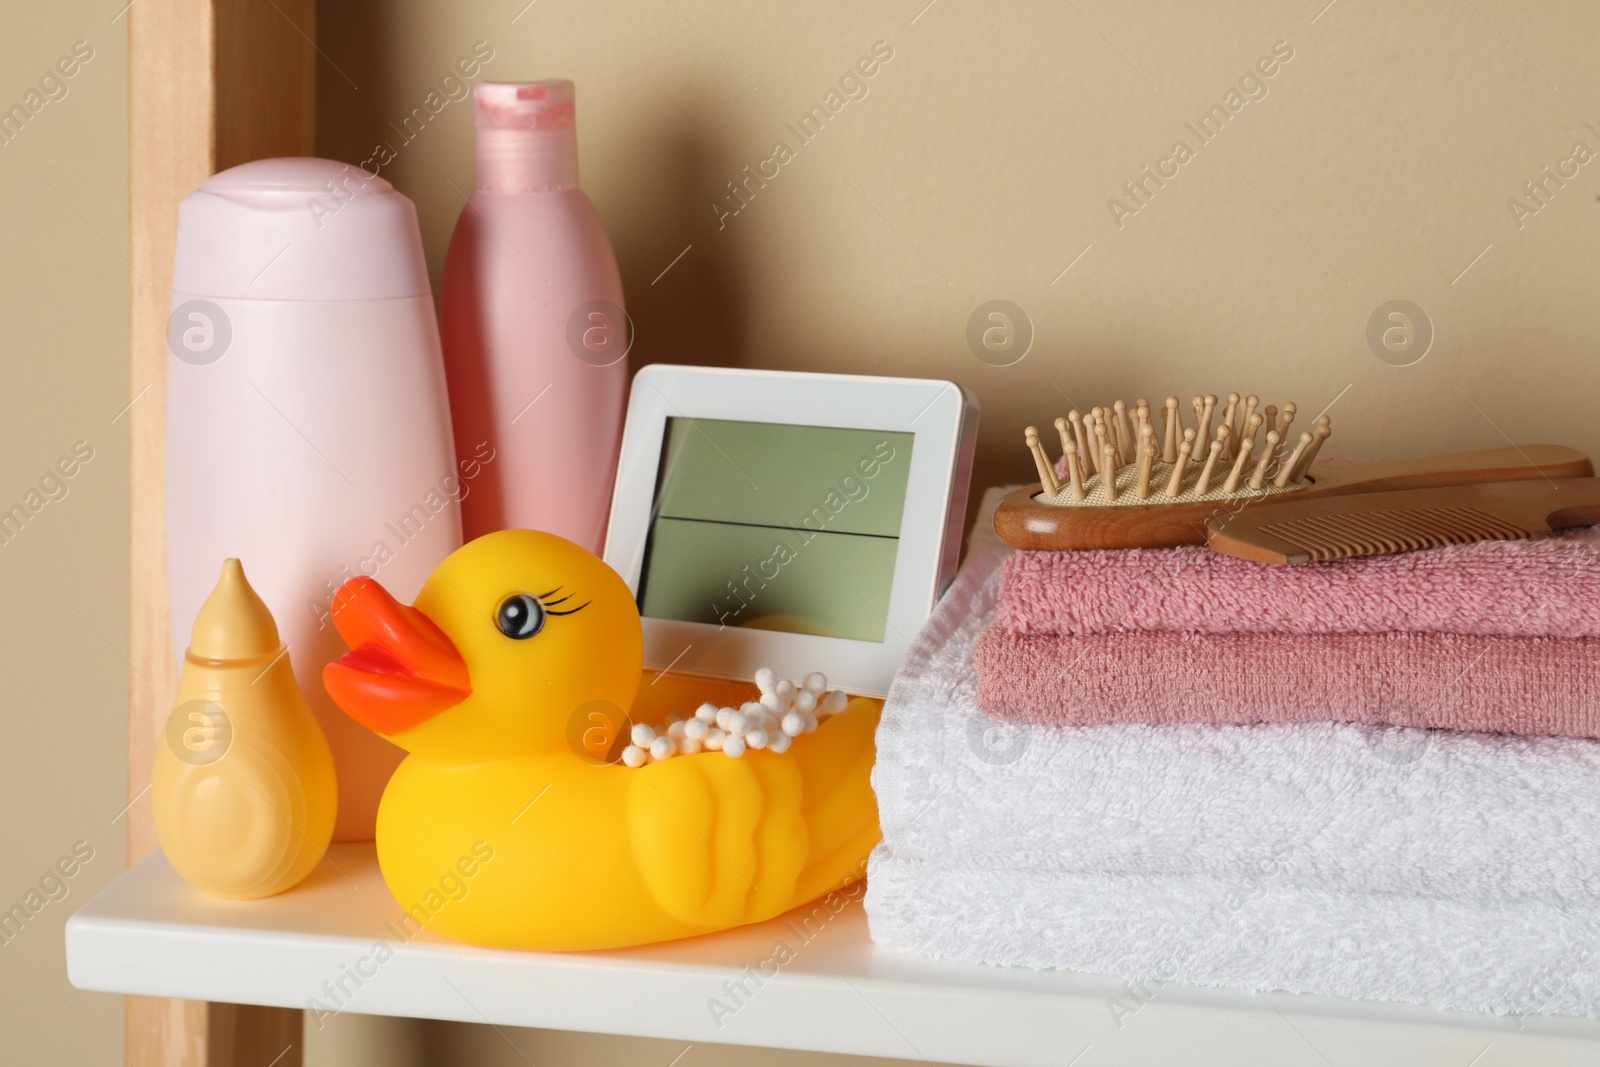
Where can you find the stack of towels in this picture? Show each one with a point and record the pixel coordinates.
(1372, 778)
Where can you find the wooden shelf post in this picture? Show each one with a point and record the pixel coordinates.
(211, 84)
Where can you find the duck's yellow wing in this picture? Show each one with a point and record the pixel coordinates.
(839, 807)
(719, 841)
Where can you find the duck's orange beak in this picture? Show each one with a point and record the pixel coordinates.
(401, 668)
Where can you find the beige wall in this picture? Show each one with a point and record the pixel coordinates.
(63, 578)
(978, 166)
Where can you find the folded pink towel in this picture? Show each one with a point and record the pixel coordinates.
(1540, 588)
(1519, 685)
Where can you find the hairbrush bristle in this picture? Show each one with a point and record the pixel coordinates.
(1125, 455)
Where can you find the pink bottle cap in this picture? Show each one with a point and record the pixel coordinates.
(298, 229)
(544, 105)
(527, 137)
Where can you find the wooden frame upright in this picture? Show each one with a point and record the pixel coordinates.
(211, 84)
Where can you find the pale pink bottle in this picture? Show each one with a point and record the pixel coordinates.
(307, 430)
(535, 336)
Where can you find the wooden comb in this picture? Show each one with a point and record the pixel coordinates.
(1373, 524)
(1024, 520)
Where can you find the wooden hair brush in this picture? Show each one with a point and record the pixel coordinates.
(1133, 484)
(1373, 524)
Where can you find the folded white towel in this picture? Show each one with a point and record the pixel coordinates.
(1516, 958)
(1458, 870)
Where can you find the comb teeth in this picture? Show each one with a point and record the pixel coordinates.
(1376, 533)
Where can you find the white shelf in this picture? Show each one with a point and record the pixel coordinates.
(150, 933)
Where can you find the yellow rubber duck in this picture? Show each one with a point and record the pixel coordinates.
(502, 829)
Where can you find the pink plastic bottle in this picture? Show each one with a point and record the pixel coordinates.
(535, 336)
(307, 430)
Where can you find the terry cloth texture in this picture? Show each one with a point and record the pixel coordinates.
(1453, 869)
(1544, 588)
(1499, 636)
(1518, 685)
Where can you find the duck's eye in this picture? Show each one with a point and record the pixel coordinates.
(520, 616)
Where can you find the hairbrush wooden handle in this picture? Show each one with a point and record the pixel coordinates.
(1024, 522)
(1405, 520)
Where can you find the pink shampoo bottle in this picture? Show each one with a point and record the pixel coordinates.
(534, 331)
(307, 428)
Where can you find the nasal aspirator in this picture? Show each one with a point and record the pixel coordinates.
(243, 786)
